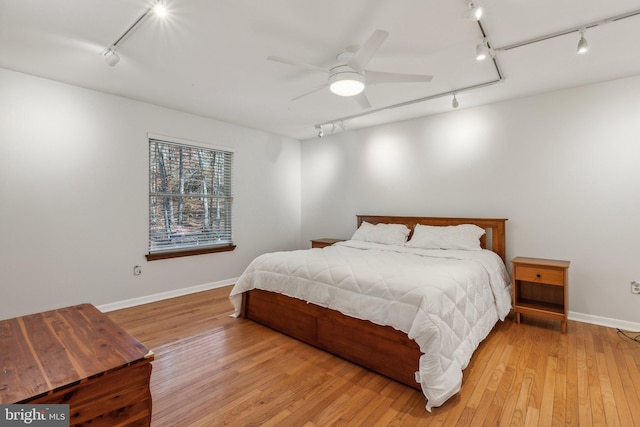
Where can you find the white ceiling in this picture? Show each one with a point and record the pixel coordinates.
(209, 56)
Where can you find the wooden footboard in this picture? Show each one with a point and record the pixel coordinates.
(382, 349)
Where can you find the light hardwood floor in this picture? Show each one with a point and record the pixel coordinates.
(214, 370)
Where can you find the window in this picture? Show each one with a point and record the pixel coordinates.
(190, 200)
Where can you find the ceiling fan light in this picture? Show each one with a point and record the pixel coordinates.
(348, 83)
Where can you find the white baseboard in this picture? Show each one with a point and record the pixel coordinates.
(572, 315)
(164, 295)
(603, 321)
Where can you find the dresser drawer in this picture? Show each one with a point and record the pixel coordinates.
(539, 274)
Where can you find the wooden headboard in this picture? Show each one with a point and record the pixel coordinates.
(495, 227)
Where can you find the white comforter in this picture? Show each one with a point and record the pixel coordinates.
(446, 300)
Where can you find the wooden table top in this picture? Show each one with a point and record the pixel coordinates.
(541, 261)
(45, 352)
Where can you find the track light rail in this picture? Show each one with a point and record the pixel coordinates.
(580, 28)
(133, 25)
(406, 103)
(426, 98)
(109, 52)
(569, 31)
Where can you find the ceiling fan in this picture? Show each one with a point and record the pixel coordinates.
(348, 76)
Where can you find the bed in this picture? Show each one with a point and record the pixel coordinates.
(319, 296)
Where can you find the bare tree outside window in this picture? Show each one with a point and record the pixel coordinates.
(190, 197)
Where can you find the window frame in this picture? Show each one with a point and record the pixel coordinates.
(159, 254)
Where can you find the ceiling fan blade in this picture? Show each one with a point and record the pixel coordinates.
(297, 63)
(374, 77)
(362, 100)
(310, 92)
(367, 50)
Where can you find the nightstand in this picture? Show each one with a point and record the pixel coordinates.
(540, 288)
(321, 243)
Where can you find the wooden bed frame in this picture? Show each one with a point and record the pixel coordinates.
(382, 349)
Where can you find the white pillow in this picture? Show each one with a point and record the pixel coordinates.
(388, 234)
(464, 236)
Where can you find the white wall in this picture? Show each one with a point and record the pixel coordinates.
(564, 167)
(74, 196)
(73, 189)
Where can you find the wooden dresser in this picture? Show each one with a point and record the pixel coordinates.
(80, 357)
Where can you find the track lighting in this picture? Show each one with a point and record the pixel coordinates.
(475, 12)
(482, 50)
(340, 122)
(583, 46)
(110, 55)
(160, 9)
(336, 126)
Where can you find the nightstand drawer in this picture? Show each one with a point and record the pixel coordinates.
(541, 275)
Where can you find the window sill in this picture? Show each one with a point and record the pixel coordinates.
(188, 252)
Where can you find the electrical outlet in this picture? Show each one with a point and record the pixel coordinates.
(635, 287)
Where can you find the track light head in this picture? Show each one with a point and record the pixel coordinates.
(475, 12)
(583, 46)
(111, 57)
(160, 9)
(482, 50)
(320, 131)
(454, 102)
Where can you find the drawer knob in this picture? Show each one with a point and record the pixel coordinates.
(538, 275)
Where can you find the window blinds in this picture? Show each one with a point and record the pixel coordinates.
(190, 196)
